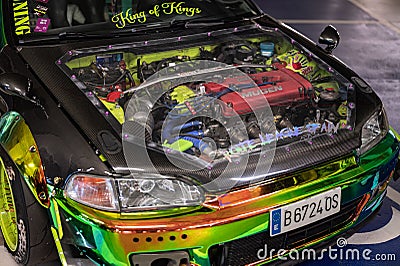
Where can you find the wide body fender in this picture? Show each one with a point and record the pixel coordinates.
(18, 142)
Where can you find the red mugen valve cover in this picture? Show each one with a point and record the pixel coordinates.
(280, 87)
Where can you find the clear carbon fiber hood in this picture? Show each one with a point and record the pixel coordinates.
(215, 96)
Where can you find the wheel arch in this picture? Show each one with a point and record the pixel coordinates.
(17, 141)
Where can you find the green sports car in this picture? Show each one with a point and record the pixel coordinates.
(156, 133)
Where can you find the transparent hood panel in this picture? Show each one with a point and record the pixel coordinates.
(215, 95)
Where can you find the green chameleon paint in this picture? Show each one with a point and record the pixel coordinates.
(18, 141)
(109, 238)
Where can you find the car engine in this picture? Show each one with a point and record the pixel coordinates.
(224, 117)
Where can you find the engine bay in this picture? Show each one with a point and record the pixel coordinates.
(278, 92)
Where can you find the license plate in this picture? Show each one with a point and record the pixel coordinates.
(304, 212)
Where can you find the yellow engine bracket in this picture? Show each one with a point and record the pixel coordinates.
(182, 93)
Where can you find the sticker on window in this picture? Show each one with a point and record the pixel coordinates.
(40, 10)
(129, 17)
(21, 17)
(42, 25)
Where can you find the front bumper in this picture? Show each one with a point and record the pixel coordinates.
(225, 227)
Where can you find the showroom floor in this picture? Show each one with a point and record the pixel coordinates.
(370, 44)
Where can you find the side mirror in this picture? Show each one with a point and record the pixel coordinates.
(330, 37)
(15, 84)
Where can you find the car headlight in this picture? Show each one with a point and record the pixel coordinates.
(373, 131)
(133, 194)
(157, 193)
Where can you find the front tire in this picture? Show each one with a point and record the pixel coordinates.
(25, 224)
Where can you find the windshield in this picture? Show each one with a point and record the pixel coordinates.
(45, 17)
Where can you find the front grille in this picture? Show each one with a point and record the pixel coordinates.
(244, 250)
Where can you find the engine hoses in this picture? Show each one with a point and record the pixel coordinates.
(187, 125)
(171, 128)
(201, 145)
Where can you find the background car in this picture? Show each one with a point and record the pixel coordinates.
(106, 207)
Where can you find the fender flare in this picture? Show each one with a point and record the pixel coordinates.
(17, 141)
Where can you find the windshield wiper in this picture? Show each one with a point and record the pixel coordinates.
(63, 36)
(88, 36)
(190, 24)
(81, 35)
